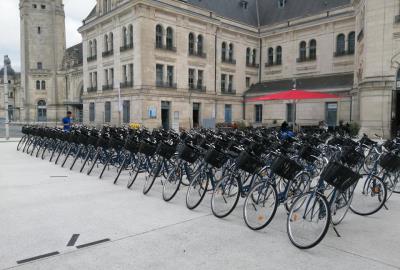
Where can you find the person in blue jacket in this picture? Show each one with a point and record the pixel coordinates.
(67, 122)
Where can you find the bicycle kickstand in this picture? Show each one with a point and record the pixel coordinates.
(336, 231)
(384, 205)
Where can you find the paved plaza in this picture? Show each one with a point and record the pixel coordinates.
(87, 223)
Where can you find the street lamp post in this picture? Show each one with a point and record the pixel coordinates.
(7, 62)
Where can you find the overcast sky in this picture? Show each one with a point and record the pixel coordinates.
(75, 12)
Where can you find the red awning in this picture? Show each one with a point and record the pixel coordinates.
(294, 95)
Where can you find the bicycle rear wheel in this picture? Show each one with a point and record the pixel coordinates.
(135, 172)
(21, 142)
(197, 190)
(308, 220)
(260, 206)
(341, 205)
(172, 183)
(225, 196)
(152, 176)
(369, 195)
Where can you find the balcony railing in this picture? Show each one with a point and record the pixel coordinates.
(108, 87)
(342, 53)
(166, 84)
(228, 91)
(92, 58)
(197, 88)
(198, 54)
(228, 61)
(126, 84)
(273, 64)
(107, 53)
(92, 89)
(166, 47)
(252, 65)
(126, 47)
(306, 59)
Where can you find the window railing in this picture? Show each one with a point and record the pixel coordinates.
(108, 53)
(108, 87)
(126, 47)
(228, 61)
(252, 65)
(92, 58)
(273, 64)
(343, 53)
(197, 88)
(306, 59)
(198, 54)
(228, 91)
(92, 89)
(126, 84)
(165, 47)
(166, 84)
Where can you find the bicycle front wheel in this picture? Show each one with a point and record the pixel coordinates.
(260, 206)
(172, 184)
(308, 220)
(225, 196)
(197, 190)
(369, 195)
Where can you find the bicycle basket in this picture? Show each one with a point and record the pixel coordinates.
(390, 162)
(147, 148)
(83, 139)
(350, 156)
(309, 153)
(367, 141)
(25, 130)
(285, 167)
(92, 140)
(132, 146)
(389, 145)
(339, 176)
(102, 142)
(248, 162)
(215, 158)
(116, 143)
(336, 141)
(165, 150)
(258, 148)
(187, 153)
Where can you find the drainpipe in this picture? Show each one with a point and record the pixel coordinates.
(215, 74)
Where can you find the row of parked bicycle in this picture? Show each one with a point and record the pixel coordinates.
(316, 177)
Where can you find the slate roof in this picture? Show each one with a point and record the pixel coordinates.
(75, 52)
(311, 83)
(268, 10)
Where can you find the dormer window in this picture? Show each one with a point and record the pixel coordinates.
(243, 4)
(281, 3)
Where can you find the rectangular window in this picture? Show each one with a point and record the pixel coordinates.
(92, 112)
(43, 6)
(191, 78)
(230, 86)
(200, 75)
(258, 109)
(106, 77)
(131, 72)
(39, 30)
(247, 82)
(159, 74)
(111, 81)
(223, 82)
(228, 113)
(39, 65)
(34, 6)
(94, 79)
(170, 75)
(124, 74)
(107, 112)
(126, 111)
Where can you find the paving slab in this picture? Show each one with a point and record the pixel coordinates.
(43, 205)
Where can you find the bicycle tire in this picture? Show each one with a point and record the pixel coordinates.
(231, 181)
(176, 188)
(197, 180)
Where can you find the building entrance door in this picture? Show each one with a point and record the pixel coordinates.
(331, 114)
(165, 114)
(395, 113)
(196, 115)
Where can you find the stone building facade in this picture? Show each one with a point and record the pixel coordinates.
(187, 63)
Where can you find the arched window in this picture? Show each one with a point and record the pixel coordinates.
(230, 52)
(271, 56)
(340, 44)
(170, 38)
(279, 55)
(351, 42)
(41, 111)
(248, 52)
(94, 47)
(313, 49)
(106, 43)
(223, 51)
(111, 41)
(124, 36)
(254, 56)
(90, 49)
(130, 34)
(200, 45)
(37, 85)
(191, 43)
(43, 85)
(159, 36)
(303, 51)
